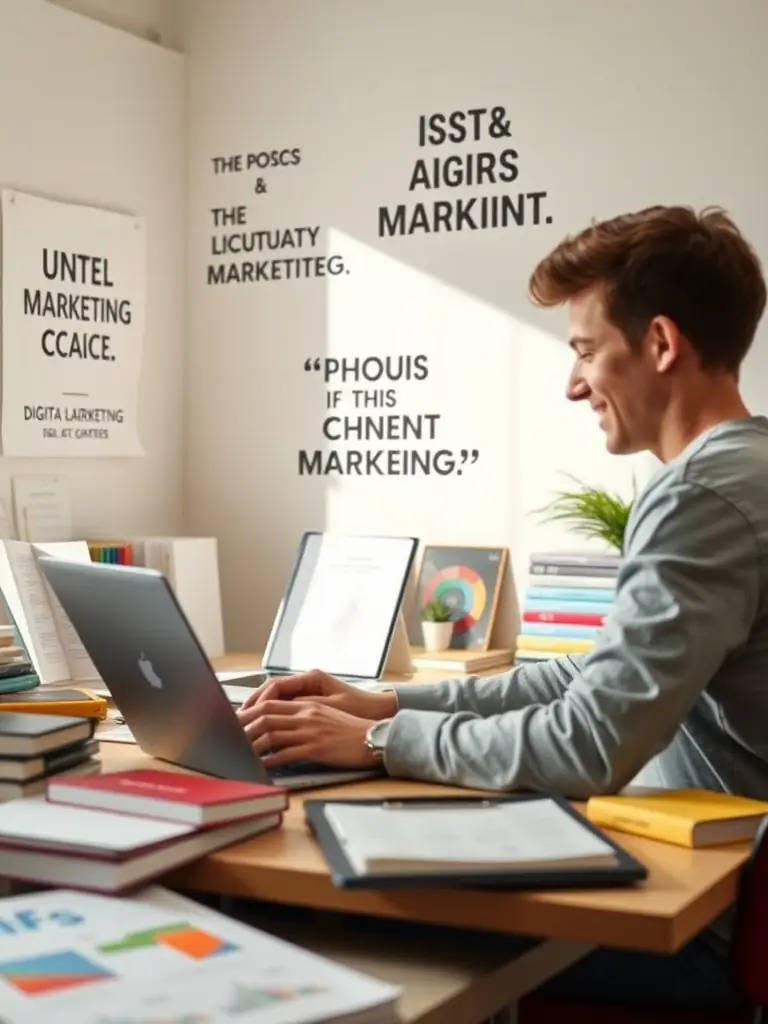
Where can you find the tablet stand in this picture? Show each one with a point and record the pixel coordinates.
(399, 661)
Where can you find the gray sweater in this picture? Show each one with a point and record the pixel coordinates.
(675, 692)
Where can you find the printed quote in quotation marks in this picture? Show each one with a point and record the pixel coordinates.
(363, 432)
(242, 251)
(491, 162)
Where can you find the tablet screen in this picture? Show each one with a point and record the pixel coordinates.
(341, 604)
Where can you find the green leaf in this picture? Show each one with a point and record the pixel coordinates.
(590, 512)
(436, 610)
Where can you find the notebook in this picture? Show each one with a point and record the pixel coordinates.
(24, 735)
(509, 840)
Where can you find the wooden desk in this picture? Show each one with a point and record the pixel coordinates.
(447, 982)
(442, 982)
(685, 891)
(251, 662)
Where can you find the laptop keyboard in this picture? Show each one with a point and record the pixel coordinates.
(301, 768)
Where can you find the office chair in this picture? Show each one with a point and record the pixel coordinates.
(748, 953)
(748, 962)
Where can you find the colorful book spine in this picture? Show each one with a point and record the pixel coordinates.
(563, 630)
(572, 593)
(113, 552)
(565, 604)
(535, 604)
(566, 618)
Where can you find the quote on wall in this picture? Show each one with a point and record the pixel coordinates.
(246, 251)
(489, 162)
(363, 432)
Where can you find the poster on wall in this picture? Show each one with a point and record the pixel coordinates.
(73, 302)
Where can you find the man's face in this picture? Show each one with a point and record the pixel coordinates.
(620, 383)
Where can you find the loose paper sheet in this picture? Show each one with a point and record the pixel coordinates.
(97, 960)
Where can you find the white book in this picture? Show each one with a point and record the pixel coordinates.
(573, 582)
(191, 566)
(75, 957)
(53, 644)
(102, 851)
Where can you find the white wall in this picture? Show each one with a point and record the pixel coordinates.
(93, 115)
(156, 20)
(612, 107)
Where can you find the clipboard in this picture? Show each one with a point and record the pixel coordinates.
(626, 871)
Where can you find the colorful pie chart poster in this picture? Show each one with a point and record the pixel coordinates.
(468, 580)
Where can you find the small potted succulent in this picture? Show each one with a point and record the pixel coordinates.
(436, 624)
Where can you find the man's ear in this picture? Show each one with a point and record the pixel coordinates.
(664, 342)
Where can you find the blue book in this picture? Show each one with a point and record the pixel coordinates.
(558, 629)
(570, 594)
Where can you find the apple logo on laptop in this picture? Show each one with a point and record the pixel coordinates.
(147, 670)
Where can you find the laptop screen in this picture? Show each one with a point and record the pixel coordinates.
(341, 604)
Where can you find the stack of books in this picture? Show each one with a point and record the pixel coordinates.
(34, 748)
(17, 672)
(567, 597)
(113, 831)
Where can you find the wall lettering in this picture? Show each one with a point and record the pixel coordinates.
(245, 254)
(492, 163)
(361, 415)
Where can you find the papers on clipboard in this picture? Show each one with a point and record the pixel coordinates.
(513, 841)
(482, 837)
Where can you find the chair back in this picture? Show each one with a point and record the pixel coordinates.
(749, 942)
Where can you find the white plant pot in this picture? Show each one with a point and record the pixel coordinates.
(437, 635)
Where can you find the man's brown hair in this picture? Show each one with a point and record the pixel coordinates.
(696, 269)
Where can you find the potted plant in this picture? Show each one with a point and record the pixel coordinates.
(591, 512)
(436, 625)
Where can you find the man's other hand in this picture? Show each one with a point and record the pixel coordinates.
(320, 688)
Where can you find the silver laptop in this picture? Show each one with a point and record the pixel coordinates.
(160, 678)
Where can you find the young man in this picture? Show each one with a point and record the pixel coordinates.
(663, 306)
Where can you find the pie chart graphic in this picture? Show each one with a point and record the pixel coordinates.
(463, 590)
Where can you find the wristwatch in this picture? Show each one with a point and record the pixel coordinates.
(376, 737)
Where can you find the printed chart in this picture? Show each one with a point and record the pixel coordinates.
(185, 938)
(51, 972)
(67, 956)
(244, 1000)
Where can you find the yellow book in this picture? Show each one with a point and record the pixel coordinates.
(561, 644)
(78, 702)
(684, 817)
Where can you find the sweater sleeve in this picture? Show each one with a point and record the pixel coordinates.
(687, 595)
(491, 695)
